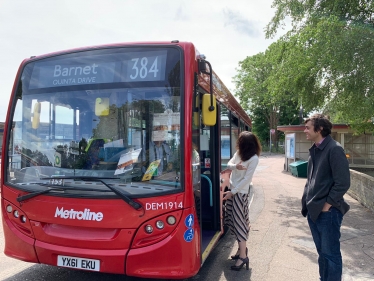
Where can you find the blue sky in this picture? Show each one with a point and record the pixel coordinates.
(225, 31)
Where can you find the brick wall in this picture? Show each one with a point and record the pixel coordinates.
(362, 189)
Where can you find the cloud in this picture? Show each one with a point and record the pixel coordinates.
(180, 14)
(240, 23)
(48, 27)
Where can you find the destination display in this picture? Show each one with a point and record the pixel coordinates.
(109, 68)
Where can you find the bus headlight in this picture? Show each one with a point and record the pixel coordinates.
(160, 224)
(148, 228)
(156, 229)
(171, 220)
(16, 214)
(9, 208)
(18, 218)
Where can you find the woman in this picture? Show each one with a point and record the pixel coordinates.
(243, 165)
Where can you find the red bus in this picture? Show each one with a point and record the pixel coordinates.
(112, 159)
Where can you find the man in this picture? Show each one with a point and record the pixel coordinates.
(322, 202)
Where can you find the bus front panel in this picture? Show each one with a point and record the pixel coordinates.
(93, 170)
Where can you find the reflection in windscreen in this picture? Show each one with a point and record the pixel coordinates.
(130, 134)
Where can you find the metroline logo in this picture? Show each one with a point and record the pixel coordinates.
(86, 215)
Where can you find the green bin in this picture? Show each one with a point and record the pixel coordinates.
(299, 168)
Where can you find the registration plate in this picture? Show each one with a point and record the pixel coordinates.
(79, 263)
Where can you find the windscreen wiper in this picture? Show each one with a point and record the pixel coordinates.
(37, 193)
(117, 191)
(50, 188)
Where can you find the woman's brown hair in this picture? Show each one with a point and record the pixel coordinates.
(248, 145)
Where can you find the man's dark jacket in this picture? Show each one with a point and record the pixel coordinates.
(328, 178)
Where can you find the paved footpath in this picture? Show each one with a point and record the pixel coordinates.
(280, 243)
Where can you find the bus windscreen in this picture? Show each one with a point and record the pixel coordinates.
(111, 113)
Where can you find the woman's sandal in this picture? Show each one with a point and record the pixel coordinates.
(235, 257)
(245, 261)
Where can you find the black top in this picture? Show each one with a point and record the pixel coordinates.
(328, 178)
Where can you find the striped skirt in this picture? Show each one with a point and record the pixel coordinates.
(237, 216)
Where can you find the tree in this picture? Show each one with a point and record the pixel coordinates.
(327, 59)
(268, 104)
(310, 12)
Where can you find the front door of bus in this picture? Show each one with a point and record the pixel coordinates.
(209, 189)
(206, 141)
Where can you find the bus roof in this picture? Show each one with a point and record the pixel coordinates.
(228, 99)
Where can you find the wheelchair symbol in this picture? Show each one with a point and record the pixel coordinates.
(188, 235)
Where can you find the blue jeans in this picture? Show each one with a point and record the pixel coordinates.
(326, 235)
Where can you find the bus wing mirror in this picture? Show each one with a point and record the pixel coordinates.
(36, 115)
(102, 107)
(209, 110)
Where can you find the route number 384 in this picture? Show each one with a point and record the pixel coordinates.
(141, 68)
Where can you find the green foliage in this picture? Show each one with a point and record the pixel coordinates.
(260, 124)
(309, 12)
(264, 95)
(34, 158)
(325, 60)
